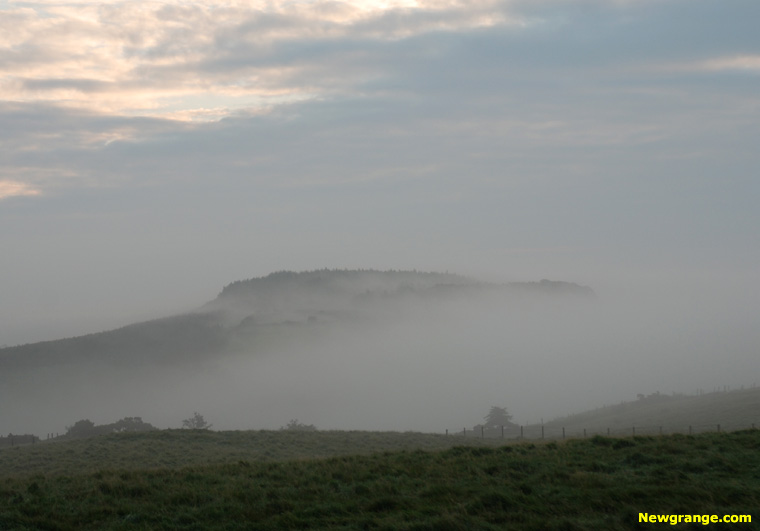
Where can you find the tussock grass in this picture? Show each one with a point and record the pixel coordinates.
(595, 483)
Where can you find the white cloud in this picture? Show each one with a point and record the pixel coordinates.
(150, 58)
(15, 189)
(750, 63)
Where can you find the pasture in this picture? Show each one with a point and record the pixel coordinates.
(364, 480)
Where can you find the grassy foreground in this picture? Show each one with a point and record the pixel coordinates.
(180, 448)
(596, 483)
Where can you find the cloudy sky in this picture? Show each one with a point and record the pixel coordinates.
(153, 151)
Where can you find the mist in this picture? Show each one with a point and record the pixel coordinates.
(146, 164)
(405, 362)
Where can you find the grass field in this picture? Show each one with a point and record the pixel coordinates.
(180, 448)
(282, 480)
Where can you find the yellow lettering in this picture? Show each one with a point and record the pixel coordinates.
(704, 519)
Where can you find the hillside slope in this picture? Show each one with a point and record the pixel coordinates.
(732, 410)
(283, 297)
(348, 349)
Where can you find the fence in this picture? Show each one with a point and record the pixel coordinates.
(534, 432)
(16, 440)
(515, 432)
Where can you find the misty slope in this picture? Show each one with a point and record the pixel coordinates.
(284, 297)
(331, 347)
(189, 336)
(734, 410)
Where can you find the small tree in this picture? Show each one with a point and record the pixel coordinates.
(131, 424)
(196, 422)
(294, 425)
(82, 428)
(498, 416)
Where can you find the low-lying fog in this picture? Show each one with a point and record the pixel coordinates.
(422, 364)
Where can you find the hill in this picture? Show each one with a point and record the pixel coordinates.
(283, 297)
(160, 340)
(265, 350)
(288, 296)
(662, 413)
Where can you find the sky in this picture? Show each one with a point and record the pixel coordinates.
(152, 152)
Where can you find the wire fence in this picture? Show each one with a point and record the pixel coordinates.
(536, 432)
(18, 440)
(515, 432)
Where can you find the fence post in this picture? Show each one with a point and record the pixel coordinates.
(521, 430)
(464, 432)
(502, 432)
(482, 433)
(542, 431)
(563, 432)
(447, 432)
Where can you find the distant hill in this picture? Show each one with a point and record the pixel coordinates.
(289, 296)
(731, 410)
(282, 297)
(339, 280)
(324, 320)
(356, 282)
(160, 340)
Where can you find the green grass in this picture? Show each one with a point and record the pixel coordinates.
(596, 483)
(179, 448)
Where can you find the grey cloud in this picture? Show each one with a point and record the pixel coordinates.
(561, 44)
(83, 85)
(55, 147)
